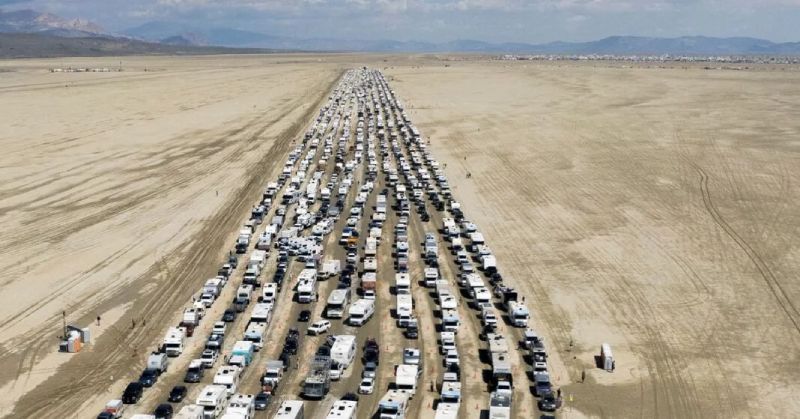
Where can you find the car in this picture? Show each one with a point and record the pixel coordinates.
(177, 394)
(319, 327)
(209, 357)
(163, 411)
(133, 392)
(451, 358)
(411, 356)
(194, 373)
(262, 401)
(549, 402)
(304, 316)
(369, 294)
(370, 370)
(229, 315)
(367, 385)
(353, 397)
(425, 217)
(148, 377)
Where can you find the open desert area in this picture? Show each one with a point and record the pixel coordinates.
(653, 209)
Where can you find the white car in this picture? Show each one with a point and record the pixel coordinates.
(451, 358)
(448, 342)
(219, 327)
(369, 294)
(367, 385)
(352, 221)
(319, 327)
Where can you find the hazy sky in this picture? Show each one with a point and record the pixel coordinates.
(443, 20)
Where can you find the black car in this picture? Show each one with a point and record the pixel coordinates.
(132, 393)
(229, 315)
(304, 316)
(177, 394)
(425, 217)
(163, 411)
(411, 332)
(549, 402)
(148, 377)
(233, 260)
(262, 401)
(353, 397)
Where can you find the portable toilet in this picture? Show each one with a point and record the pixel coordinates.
(606, 357)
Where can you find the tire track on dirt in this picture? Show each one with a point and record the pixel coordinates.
(774, 286)
(64, 393)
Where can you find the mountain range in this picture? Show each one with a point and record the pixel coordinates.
(177, 34)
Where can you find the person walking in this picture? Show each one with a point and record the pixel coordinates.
(98, 320)
(583, 376)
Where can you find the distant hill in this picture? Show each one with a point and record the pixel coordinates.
(36, 45)
(30, 21)
(619, 45)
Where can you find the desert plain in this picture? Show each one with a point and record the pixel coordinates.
(654, 209)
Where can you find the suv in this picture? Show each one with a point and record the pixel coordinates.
(132, 393)
(163, 411)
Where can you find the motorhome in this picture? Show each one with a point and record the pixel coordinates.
(213, 399)
(269, 292)
(369, 281)
(228, 376)
(371, 247)
(343, 350)
(405, 378)
(306, 286)
(330, 268)
(402, 283)
(450, 321)
(518, 314)
(394, 405)
(241, 406)
(191, 411)
(338, 301)
(501, 367)
(290, 409)
(499, 406)
(431, 276)
(174, 341)
(343, 409)
(255, 333)
(404, 309)
(262, 313)
(361, 311)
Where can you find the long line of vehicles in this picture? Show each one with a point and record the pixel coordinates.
(304, 212)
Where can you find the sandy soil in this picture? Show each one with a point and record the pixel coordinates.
(124, 188)
(652, 209)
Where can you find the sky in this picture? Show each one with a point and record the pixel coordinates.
(531, 21)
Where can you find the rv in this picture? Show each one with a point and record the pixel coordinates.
(290, 409)
(499, 406)
(191, 411)
(174, 341)
(361, 311)
(306, 286)
(501, 368)
(518, 314)
(255, 333)
(337, 303)
(212, 398)
(450, 321)
(269, 292)
(497, 343)
(228, 376)
(402, 283)
(262, 313)
(330, 268)
(241, 406)
(404, 309)
(369, 281)
(394, 405)
(449, 401)
(343, 350)
(318, 381)
(343, 409)
(405, 378)
(371, 247)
